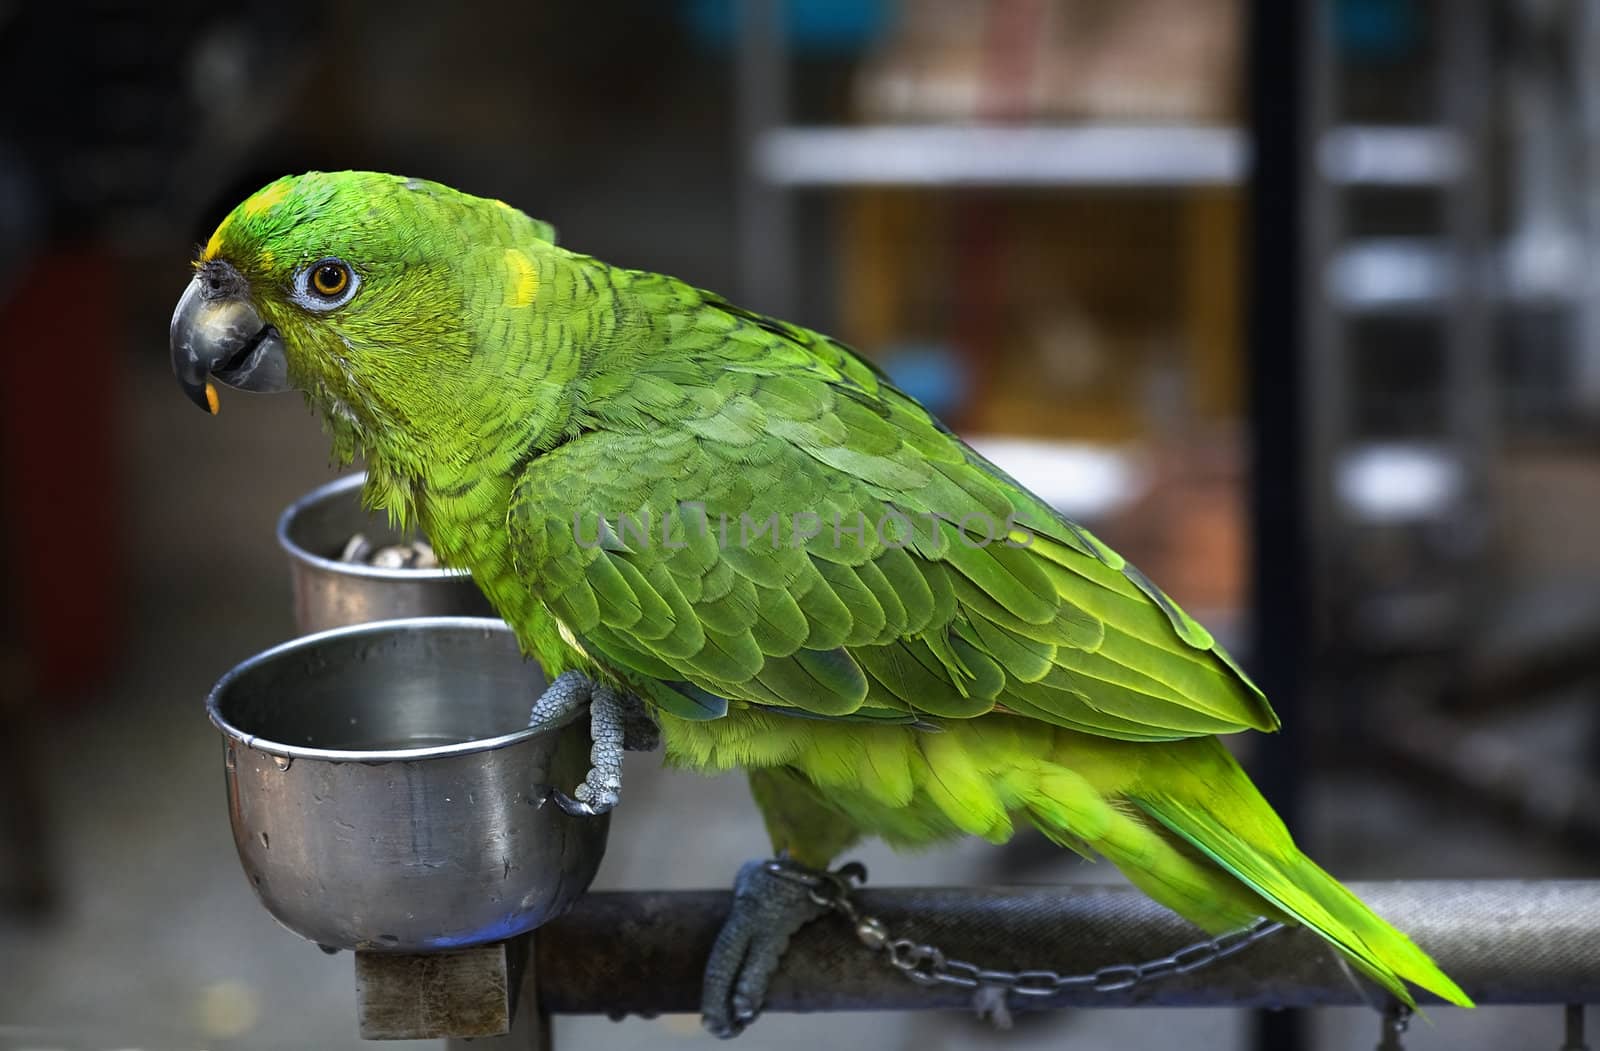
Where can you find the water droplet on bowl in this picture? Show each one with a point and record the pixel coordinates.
(282, 762)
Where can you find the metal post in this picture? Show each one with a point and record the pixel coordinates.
(1573, 1025)
(1280, 37)
(761, 87)
(1471, 410)
(1586, 72)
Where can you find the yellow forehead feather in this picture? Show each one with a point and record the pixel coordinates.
(255, 206)
(214, 245)
(265, 199)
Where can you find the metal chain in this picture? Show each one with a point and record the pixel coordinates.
(929, 965)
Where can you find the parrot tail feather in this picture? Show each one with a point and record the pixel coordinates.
(1269, 863)
(1305, 893)
(1185, 825)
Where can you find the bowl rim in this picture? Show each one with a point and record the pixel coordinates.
(321, 494)
(345, 755)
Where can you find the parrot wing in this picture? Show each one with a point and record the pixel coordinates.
(778, 526)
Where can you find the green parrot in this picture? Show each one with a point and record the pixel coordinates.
(742, 526)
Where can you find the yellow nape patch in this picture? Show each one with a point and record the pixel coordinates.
(264, 200)
(266, 258)
(524, 283)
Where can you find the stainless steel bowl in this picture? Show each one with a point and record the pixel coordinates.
(331, 594)
(382, 786)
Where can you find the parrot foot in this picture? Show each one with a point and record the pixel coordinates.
(617, 721)
(771, 901)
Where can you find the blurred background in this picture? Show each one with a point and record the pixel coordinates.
(1294, 303)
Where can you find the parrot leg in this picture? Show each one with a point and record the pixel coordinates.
(617, 721)
(771, 901)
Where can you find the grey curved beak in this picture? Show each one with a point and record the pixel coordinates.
(216, 333)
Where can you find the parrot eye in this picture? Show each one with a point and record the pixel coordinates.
(329, 279)
(325, 284)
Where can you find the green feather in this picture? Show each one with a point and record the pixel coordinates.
(866, 616)
(828, 619)
(1023, 658)
(824, 682)
(910, 586)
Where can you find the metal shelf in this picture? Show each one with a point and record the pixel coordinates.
(1392, 275)
(1085, 155)
(1086, 481)
(1391, 155)
(1423, 275)
(966, 155)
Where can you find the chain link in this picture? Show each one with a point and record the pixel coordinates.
(928, 965)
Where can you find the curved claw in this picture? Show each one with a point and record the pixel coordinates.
(569, 805)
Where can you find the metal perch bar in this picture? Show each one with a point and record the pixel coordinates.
(1505, 942)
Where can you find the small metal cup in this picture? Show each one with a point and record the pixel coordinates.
(331, 594)
(384, 790)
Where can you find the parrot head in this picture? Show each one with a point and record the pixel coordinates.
(347, 286)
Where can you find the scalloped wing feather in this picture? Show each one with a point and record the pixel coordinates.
(813, 538)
